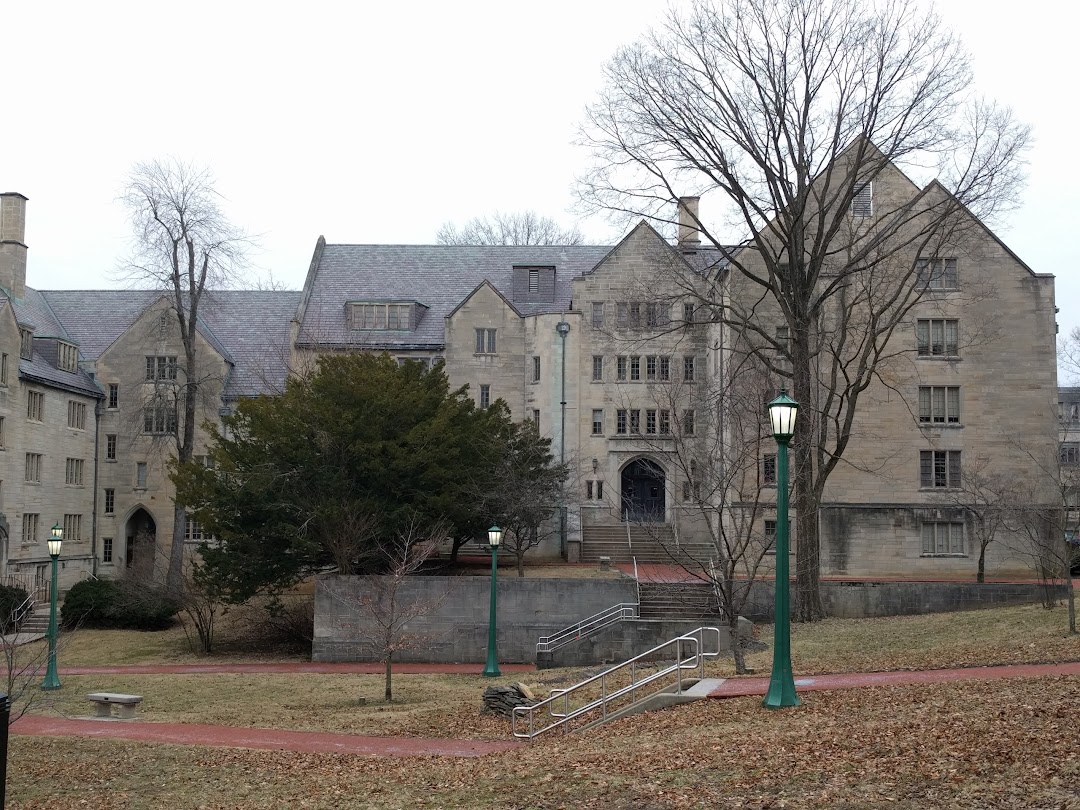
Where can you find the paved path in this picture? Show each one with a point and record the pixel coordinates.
(263, 738)
(318, 742)
(741, 687)
(292, 667)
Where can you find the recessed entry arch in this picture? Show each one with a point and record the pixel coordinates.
(643, 491)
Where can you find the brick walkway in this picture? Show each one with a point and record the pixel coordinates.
(293, 667)
(262, 738)
(742, 687)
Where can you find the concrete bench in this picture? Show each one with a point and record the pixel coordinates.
(125, 704)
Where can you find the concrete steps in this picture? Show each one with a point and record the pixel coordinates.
(37, 622)
(654, 543)
(678, 600)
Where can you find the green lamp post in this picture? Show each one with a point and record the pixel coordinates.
(492, 668)
(52, 679)
(782, 413)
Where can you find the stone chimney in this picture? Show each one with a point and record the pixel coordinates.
(13, 243)
(688, 223)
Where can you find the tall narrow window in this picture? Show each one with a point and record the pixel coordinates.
(650, 367)
(620, 368)
(110, 501)
(485, 396)
(35, 406)
(688, 369)
(620, 422)
(598, 314)
(73, 527)
(688, 423)
(768, 470)
(665, 369)
(588, 490)
(635, 368)
(862, 204)
(598, 422)
(622, 314)
(140, 475)
(536, 418)
(650, 422)
(1, 433)
(635, 421)
(688, 313)
(635, 314)
(26, 344)
(536, 368)
(106, 550)
(665, 421)
(3, 369)
(30, 522)
(598, 368)
(110, 447)
(114, 396)
(599, 490)
(33, 468)
(76, 415)
(652, 315)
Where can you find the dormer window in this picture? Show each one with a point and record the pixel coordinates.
(67, 356)
(27, 345)
(380, 316)
(534, 283)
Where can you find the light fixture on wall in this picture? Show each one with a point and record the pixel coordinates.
(595, 464)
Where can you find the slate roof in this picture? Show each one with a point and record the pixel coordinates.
(438, 276)
(250, 328)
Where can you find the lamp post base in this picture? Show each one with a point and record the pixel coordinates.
(781, 694)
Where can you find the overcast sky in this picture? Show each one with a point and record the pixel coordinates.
(377, 122)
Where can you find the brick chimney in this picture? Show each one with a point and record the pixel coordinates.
(688, 223)
(13, 243)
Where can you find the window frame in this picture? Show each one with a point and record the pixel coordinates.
(768, 470)
(114, 396)
(950, 401)
(947, 547)
(597, 422)
(925, 338)
(109, 501)
(597, 315)
(927, 273)
(940, 465)
(110, 446)
(486, 341)
(536, 368)
(598, 368)
(35, 405)
(484, 400)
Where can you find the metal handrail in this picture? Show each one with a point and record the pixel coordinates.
(629, 542)
(696, 661)
(605, 618)
(637, 582)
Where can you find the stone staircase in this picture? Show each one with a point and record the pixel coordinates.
(678, 600)
(38, 621)
(651, 543)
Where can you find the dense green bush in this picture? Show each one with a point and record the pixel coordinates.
(119, 604)
(11, 599)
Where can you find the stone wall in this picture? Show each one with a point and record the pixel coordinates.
(457, 630)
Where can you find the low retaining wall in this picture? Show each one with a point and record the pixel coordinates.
(623, 640)
(456, 631)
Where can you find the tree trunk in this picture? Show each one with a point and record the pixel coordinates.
(808, 607)
(174, 580)
(184, 450)
(981, 576)
(1071, 591)
(388, 692)
(736, 645)
(520, 562)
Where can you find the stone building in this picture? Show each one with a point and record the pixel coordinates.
(613, 351)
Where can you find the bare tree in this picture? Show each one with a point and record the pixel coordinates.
(788, 114)
(184, 245)
(987, 497)
(382, 610)
(25, 663)
(512, 228)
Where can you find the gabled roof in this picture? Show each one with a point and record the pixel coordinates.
(249, 328)
(438, 276)
(490, 286)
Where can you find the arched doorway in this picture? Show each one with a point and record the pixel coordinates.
(643, 491)
(140, 533)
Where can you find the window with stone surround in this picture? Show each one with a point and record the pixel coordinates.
(30, 521)
(35, 406)
(114, 396)
(939, 404)
(76, 415)
(3, 369)
(485, 341)
(73, 472)
(598, 368)
(635, 421)
(939, 469)
(621, 421)
(665, 369)
(620, 369)
(72, 527)
(635, 368)
(161, 367)
(937, 337)
(536, 368)
(26, 344)
(598, 422)
(110, 501)
(110, 447)
(1069, 454)
(943, 539)
(768, 470)
(106, 550)
(650, 422)
(33, 468)
(937, 274)
(598, 314)
(485, 396)
(664, 419)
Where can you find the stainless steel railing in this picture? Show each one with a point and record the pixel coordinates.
(608, 684)
(605, 618)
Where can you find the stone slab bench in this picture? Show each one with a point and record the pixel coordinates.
(125, 704)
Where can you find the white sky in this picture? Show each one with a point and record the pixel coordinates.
(377, 122)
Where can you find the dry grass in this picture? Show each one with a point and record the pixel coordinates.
(1005, 744)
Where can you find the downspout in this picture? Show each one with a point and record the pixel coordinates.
(563, 328)
(94, 514)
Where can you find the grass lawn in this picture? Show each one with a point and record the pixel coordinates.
(993, 744)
